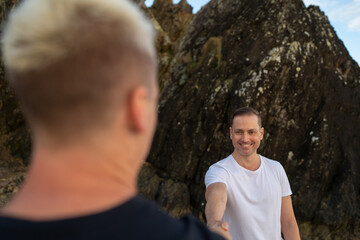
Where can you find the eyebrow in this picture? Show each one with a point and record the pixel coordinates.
(239, 129)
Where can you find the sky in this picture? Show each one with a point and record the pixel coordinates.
(344, 16)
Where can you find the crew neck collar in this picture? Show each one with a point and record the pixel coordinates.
(247, 170)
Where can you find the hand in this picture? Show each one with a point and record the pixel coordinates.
(221, 228)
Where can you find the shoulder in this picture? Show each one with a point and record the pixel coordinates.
(274, 167)
(135, 219)
(189, 228)
(225, 163)
(222, 168)
(219, 172)
(271, 163)
(150, 220)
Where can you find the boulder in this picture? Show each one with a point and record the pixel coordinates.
(286, 61)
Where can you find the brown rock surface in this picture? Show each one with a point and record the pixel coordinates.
(285, 60)
(277, 56)
(14, 136)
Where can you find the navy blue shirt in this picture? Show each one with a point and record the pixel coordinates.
(136, 219)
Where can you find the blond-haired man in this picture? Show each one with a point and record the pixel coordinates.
(85, 74)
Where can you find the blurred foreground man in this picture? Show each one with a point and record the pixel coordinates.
(249, 191)
(85, 73)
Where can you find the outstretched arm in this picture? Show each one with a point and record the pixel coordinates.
(216, 198)
(289, 225)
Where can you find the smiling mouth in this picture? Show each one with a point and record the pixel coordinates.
(245, 144)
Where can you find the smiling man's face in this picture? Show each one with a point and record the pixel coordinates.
(246, 135)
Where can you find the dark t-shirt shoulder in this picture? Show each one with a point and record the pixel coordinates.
(135, 219)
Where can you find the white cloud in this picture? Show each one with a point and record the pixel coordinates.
(355, 24)
(346, 12)
(349, 14)
(342, 11)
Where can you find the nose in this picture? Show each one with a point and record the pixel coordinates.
(245, 137)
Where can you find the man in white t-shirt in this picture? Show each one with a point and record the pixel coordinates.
(248, 191)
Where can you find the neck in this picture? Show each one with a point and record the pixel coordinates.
(251, 162)
(74, 181)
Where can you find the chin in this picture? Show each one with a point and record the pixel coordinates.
(246, 154)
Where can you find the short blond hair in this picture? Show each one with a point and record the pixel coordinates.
(71, 61)
(40, 32)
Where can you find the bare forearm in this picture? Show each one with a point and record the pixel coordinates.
(214, 210)
(216, 198)
(291, 231)
(289, 225)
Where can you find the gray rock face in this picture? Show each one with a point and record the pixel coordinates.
(286, 61)
(277, 56)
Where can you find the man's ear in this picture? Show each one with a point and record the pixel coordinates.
(137, 107)
(230, 133)
(261, 133)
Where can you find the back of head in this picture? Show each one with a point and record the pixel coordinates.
(72, 61)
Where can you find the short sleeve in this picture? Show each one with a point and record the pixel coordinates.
(216, 174)
(284, 181)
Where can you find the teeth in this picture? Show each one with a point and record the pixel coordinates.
(245, 145)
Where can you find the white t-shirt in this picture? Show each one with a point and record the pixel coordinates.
(254, 197)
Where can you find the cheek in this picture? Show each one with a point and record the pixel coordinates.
(235, 138)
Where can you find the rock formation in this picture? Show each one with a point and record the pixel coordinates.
(285, 60)
(14, 136)
(277, 56)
